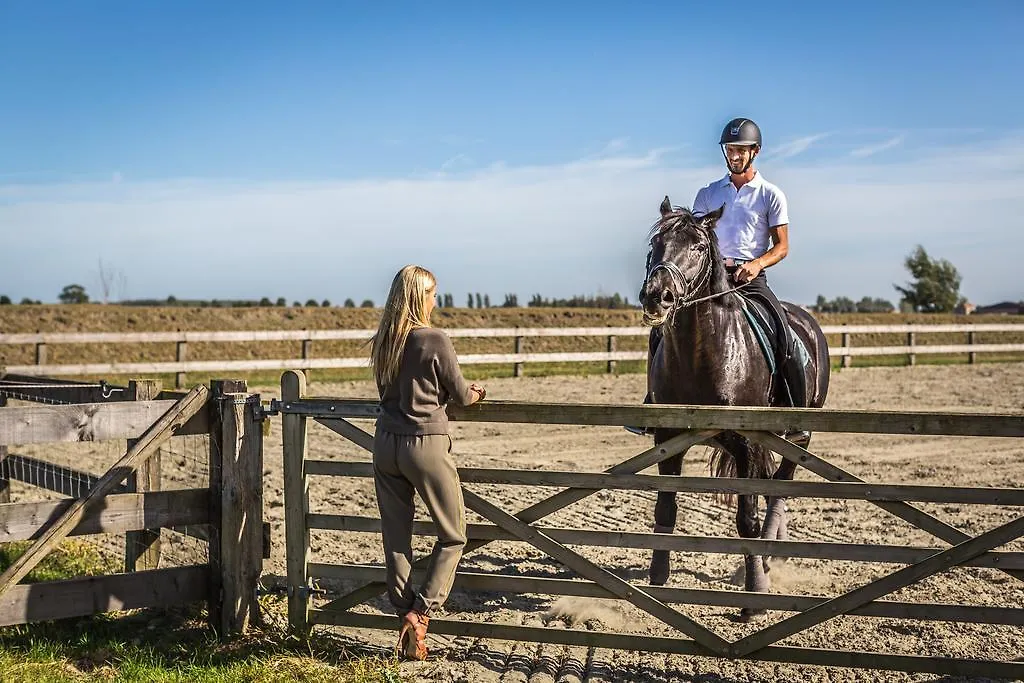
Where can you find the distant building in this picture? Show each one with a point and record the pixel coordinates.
(1003, 308)
(966, 308)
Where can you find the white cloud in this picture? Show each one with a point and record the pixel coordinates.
(793, 147)
(558, 230)
(869, 150)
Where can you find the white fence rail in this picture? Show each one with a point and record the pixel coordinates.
(845, 350)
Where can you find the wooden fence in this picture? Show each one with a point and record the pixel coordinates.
(687, 635)
(181, 365)
(227, 514)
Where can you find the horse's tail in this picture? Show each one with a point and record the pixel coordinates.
(722, 463)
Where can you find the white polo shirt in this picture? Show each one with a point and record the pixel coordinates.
(749, 213)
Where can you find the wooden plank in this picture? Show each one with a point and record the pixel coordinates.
(685, 484)
(142, 548)
(50, 390)
(349, 431)
(241, 520)
(919, 349)
(148, 443)
(171, 587)
(738, 418)
(543, 508)
(296, 504)
(327, 335)
(5, 482)
(909, 513)
(84, 422)
(503, 583)
(684, 646)
(942, 561)
(857, 552)
(587, 569)
(120, 512)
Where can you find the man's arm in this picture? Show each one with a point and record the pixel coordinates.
(780, 249)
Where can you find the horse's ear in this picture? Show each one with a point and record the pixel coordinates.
(708, 220)
(666, 207)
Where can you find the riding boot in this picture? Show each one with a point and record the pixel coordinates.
(791, 372)
(642, 431)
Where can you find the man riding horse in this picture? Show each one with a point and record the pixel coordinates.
(753, 235)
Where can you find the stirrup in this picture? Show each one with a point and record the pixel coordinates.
(639, 431)
(412, 638)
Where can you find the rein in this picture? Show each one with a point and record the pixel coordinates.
(687, 287)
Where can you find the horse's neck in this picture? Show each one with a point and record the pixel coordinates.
(706, 335)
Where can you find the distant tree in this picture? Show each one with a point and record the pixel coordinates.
(469, 301)
(367, 303)
(312, 302)
(281, 301)
(29, 302)
(449, 301)
(172, 300)
(511, 301)
(440, 301)
(935, 287)
(326, 303)
(296, 304)
(73, 294)
(479, 301)
(349, 303)
(5, 300)
(265, 301)
(487, 300)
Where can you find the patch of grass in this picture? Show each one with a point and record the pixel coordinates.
(152, 645)
(70, 559)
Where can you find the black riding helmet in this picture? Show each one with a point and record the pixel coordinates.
(740, 132)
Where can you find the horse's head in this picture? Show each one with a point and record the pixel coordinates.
(684, 253)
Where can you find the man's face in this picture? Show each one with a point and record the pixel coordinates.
(737, 156)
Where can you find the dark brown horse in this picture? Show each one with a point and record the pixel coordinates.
(707, 353)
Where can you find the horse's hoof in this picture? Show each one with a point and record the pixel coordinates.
(749, 616)
(660, 568)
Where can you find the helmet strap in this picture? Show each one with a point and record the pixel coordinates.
(745, 166)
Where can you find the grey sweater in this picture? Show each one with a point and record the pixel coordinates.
(428, 377)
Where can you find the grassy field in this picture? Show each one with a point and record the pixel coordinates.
(100, 318)
(166, 645)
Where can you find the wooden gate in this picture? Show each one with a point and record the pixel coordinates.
(227, 514)
(701, 424)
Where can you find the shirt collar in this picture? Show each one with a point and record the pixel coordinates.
(755, 182)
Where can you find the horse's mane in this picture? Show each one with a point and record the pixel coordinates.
(681, 218)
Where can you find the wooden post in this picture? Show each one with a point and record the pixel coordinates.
(972, 356)
(296, 504)
(611, 347)
(180, 354)
(240, 537)
(912, 357)
(517, 370)
(847, 358)
(41, 354)
(307, 351)
(5, 484)
(142, 548)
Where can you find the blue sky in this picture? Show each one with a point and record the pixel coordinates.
(311, 150)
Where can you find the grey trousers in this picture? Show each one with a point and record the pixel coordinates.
(402, 467)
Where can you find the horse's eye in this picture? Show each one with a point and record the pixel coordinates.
(699, 247)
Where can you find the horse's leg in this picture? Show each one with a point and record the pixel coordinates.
(748, 524)
(775, 526)
(665, 520)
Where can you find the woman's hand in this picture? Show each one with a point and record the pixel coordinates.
(479, 390)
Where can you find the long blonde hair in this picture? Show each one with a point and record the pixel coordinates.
(406, 309)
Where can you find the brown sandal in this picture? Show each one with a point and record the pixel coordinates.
(412, 638)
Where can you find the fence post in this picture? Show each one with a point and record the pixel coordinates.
(847, 358)
(142, 548)
(972, 356)
(41, 354)
(296, 504)
(5, 483)
(238, 544)
(517, 371)
(307, 351)
(912, 357)
(611, 347)
(181, 352)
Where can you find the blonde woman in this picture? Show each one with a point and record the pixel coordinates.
(417, 373)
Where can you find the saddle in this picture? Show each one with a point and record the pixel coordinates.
(783, 349)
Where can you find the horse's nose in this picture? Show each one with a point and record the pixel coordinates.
(667, 297)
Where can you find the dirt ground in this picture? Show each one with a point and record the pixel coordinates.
(894, 459)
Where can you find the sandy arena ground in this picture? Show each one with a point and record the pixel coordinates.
(910, 460)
